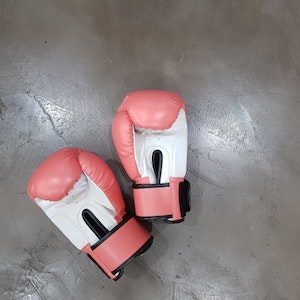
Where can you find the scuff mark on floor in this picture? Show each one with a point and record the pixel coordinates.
(30, 279)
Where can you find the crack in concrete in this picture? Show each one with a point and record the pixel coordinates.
(42, 103)
(48, 115)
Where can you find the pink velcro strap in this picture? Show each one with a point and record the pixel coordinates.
(154, 201)
(119, 247)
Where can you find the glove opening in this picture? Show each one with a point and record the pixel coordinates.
(157, 161)
(94, 223)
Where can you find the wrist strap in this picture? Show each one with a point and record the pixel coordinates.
(119, 247)
(167, 201)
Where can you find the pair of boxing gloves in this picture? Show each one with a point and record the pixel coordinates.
(81, 196)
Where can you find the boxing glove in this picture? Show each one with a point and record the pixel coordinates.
(80, 195)
(150, 136)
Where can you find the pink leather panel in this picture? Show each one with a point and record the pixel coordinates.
(122, 132)
(55, 176)
(102, 175)
(152, 109)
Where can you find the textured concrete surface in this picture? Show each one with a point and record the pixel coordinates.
(65, 66)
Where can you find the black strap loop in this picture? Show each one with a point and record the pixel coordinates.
(94, 224)
(157, 161)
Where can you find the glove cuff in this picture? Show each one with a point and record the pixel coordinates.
(166, 201)
(119, 247)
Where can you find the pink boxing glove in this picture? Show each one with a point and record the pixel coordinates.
(150, 136)
(80, 195)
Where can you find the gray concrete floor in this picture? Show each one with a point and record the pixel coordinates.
(65, 66)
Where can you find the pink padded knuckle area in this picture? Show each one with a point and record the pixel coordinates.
(55, 176)
(152, 109)
(100, 173)
(119, 247)
(158, 201)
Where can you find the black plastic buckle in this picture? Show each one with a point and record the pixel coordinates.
(184, 197)
(184, 201)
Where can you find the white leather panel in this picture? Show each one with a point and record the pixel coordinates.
(66, 214)
(171, 142)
